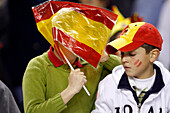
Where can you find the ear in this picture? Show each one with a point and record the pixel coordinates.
(154, 55)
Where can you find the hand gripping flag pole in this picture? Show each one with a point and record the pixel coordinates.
(84, 87)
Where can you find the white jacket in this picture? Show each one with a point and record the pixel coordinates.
(115, 94)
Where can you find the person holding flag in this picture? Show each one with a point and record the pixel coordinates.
(53, 82)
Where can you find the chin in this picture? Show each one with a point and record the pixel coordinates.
(130, 74)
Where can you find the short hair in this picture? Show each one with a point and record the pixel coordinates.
(148, 48)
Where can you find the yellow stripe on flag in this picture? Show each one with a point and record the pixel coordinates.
(45, 28)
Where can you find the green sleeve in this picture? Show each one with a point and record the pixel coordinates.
(108, 66)
(34, 91)
(111, 63)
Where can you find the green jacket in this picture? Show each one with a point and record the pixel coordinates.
(43, 83)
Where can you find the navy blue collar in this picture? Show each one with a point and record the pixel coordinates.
(157, 86)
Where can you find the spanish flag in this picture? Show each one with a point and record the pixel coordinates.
(82, 29)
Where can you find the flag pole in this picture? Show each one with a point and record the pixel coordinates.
(71, 67)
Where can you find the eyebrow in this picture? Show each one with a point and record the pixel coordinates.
(128, 52)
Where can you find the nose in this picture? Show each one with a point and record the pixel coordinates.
(124, 59)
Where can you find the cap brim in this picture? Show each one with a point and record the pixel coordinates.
(123, 45)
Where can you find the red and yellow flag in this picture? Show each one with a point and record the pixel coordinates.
(82, 29)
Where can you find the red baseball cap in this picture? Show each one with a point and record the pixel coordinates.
(135, 35)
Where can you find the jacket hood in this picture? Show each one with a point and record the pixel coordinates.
(164, 71)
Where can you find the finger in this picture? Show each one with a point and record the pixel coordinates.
(82, 73)
(77, 70)
(85, 81)
(84, 77)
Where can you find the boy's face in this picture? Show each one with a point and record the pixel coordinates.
(137, 63)
(69, 55)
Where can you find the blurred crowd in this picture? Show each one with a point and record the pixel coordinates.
(20, 40)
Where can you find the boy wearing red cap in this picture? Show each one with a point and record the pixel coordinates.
(141, 84)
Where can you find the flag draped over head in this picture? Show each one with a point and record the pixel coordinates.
(82, 29)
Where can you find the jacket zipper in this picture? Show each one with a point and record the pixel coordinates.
(139, 106)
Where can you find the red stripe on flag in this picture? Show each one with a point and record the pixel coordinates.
(80, 49)
(47, 9)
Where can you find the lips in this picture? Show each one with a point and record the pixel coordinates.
(126, 67)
